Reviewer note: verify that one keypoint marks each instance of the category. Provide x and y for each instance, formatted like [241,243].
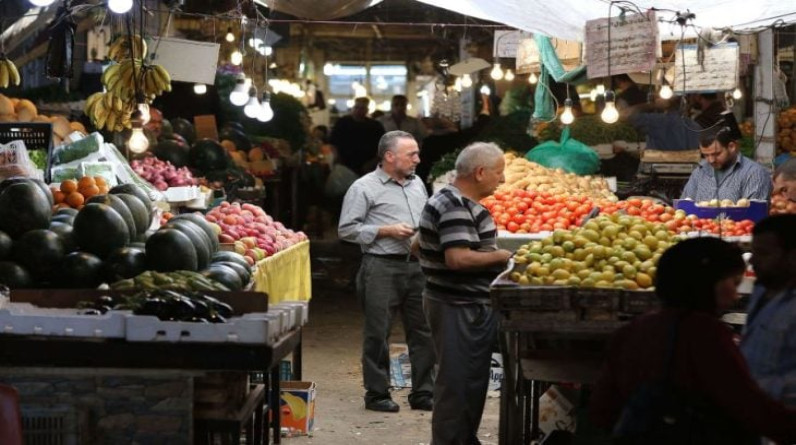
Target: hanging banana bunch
[124,48]
[9,75]
[108,111]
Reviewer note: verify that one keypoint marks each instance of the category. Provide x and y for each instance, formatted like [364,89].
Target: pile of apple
[250,229]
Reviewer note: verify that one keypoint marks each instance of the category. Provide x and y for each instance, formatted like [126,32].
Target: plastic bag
[14,161]
[568,154]
[339,180]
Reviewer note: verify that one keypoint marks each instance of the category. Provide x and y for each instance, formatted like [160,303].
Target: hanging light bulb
[467,81]
[252,108]
[143,108]
[236,58]
[736,93]
[532,79]
[509,75]
[666,91]
[138,142]
[199,88]
[496,72]
[610,113]
[458,85]
[485,90]
[42,2]
[230,37]
[120,6]
[240,94]
[567,117]
[266,112]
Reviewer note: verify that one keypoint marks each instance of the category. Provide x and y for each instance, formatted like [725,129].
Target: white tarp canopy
[566,19]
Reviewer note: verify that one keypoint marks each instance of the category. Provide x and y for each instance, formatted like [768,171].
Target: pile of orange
[74,193]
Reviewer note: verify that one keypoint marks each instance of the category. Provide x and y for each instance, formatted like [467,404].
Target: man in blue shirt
[666,128]
[769,338]
[725,173]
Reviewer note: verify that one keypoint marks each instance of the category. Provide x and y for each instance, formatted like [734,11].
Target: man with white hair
[381,212]
[460,258]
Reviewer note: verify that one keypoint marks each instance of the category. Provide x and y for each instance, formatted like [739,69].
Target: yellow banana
[3,75]
[90,102]
[13,73]
[163,76]
[100,115]
[110,122]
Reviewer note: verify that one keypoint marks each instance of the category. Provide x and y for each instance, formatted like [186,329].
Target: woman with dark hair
[683,358]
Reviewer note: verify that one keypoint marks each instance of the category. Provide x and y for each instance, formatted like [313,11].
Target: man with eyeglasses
[725,173]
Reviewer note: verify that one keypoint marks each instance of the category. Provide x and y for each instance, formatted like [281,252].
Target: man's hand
[505,254]
[400,231]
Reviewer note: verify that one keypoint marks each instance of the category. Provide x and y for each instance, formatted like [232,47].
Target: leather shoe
[383,405]
[423,404]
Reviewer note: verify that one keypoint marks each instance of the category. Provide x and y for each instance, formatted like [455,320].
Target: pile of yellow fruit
[616,251]
[23,110]
[786,138]
[526,175]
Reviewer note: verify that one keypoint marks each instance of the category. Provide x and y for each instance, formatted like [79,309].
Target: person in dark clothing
[630,94]
[711,109]
[697,280]
[356,137]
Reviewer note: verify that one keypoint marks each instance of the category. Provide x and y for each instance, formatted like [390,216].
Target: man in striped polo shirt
[460,258]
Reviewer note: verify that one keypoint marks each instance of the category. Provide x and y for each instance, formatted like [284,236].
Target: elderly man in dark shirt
[356,137]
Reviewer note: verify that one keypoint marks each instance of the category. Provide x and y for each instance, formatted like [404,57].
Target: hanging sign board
[715,69]
[505,43]
[529,60]
[634,44]
[187,60]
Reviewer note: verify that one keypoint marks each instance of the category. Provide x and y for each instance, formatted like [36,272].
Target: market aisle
[332,342]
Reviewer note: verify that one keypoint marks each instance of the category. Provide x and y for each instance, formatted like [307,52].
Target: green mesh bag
[567,154]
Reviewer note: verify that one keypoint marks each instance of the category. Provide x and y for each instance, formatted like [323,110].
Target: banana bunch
[121,79]
[156,80]
[9,75]
[109,111]
[124,48]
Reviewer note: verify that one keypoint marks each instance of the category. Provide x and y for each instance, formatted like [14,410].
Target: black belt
[406,258]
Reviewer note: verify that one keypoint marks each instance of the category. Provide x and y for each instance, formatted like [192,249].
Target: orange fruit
[103,189]
[69,186]
[58,196]
[89,191]
[85,182]
[75,199]
[228,145]
[100,181]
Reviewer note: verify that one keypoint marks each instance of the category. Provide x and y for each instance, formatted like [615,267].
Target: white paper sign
[187,60]
[529,60]
[634,45]
[505,43]
[716,71]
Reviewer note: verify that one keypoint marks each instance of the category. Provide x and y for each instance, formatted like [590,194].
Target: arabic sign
[633,46]
[529,60]
[709,69]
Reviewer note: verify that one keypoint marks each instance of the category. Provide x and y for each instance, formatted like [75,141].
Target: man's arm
[352,227]
[759,185]
[690,189]
[464,258]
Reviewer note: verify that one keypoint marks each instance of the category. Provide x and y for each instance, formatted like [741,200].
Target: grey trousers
[463,336]
[386,288]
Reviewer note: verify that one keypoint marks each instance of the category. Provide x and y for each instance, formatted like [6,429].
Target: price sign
[707,69]
[634,44]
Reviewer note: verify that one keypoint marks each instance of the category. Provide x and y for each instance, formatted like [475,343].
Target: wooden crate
[217,394]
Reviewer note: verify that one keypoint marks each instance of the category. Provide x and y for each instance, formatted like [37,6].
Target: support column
[765,110]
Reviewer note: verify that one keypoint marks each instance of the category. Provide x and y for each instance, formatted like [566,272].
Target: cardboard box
[496,372]
[400,367]
[297,407]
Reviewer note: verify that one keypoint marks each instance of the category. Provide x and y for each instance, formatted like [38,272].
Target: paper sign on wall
[505,43]
[715,70]
[188,60]
[529,60]
[634,44]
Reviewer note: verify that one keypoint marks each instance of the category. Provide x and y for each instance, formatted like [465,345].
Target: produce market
[181,181]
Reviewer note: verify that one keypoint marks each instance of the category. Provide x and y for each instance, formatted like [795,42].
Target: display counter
[285,276]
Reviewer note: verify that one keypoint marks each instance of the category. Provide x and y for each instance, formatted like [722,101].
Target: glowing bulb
[467,81]
[199,88]
[252,108]
[236,58]
[609,114]
[266,112]
[144,109]
[41,2]
[532,79]
[666,92]
[458,84]
[328,69]
[485,90]
[138,142]
[736,93]
[240,94]
[567,117]
[509,75]
[120,6]
[229,37]
[593,94]
[496,72]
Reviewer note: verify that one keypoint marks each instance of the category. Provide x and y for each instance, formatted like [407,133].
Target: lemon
[524,280]
[643,280]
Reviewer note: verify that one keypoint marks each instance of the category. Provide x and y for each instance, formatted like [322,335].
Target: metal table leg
[274,405]
[297,361]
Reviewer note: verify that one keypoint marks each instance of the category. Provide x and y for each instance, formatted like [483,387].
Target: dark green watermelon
[14,276]
[169,250]
[237,136]
[140,213]
[132,189]
[66,233]
[208,155]
[244,272]
[184,128]
[229,257]
[5,246]
[23,206]
[81,270]
[40,252]
[99,229]
[127,262]
[39,183]
[198,238]
[121,208]
[200,221]
[224,275]
[169,150]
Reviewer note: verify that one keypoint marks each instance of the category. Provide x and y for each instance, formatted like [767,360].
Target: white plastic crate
[301,308]
[288,315]
[253,328]
[26,319]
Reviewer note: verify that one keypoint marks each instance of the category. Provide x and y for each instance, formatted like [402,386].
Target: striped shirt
[744,179]
[451,220]
[769,344]
[376,200]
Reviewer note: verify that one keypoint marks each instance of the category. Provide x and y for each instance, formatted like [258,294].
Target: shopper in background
[397,119]
[356,138]
[785,180]
[381,212]
[460,258]
[769,338]
[666,128]
[677,371]
[630,94]
[725,173]
[710,109]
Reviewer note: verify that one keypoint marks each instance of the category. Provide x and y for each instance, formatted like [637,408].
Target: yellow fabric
[285,276]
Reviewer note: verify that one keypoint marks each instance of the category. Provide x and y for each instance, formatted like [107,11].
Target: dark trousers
[463,336]
[387,287]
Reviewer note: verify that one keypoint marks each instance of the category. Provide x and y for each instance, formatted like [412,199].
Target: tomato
[518,218]
[633,211]
[634,202]
[512,226]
